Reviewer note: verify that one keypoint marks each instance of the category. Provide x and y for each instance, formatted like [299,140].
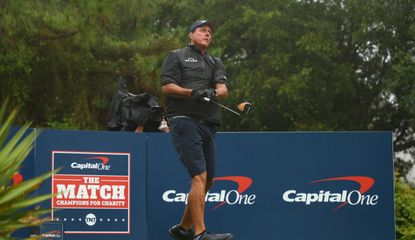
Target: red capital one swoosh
[243,184]
[103,159]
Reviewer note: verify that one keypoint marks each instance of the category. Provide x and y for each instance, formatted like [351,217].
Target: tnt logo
[90,219]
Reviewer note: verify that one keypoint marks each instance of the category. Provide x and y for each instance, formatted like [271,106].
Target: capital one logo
[344,197]
[235,196]
[51,234]
[101,165]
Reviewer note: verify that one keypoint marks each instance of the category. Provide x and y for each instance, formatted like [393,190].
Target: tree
[54,52]
[305,65]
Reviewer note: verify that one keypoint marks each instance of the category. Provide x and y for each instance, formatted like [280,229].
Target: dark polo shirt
[187,68]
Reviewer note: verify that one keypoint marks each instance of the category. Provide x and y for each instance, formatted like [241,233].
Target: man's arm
[221,91]
[174,90]
[170,74]
[220,80]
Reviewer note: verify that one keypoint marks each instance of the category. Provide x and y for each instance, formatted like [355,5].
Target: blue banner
[293,185]
[283,186]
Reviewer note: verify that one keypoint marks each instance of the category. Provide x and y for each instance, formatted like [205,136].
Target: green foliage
[16,201]
[405,210]
[305,65]
[55,52]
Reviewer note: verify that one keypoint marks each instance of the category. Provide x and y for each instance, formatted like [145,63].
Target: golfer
[189,75]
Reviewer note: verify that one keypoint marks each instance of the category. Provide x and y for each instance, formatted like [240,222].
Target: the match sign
[92,192]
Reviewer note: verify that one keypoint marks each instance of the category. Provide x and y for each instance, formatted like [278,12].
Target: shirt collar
[196,49]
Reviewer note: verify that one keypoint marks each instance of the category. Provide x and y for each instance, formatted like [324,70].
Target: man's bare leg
[186,221]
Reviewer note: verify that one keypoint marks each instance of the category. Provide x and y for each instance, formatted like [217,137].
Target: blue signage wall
[323,186]
[283,186]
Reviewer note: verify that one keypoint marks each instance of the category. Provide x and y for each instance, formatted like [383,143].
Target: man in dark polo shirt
[189,76]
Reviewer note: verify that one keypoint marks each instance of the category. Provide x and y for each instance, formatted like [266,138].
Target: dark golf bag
[128,110]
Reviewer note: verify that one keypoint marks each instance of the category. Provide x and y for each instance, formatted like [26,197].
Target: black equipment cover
[128,110]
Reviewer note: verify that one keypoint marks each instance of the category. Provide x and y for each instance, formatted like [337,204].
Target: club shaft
[223,106]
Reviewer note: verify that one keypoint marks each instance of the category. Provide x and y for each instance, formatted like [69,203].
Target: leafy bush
[16,200]
[404,210]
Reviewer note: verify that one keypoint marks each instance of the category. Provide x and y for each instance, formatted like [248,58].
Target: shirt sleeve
[220,73]
[170,72]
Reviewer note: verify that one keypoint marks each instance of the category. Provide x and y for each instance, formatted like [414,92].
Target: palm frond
[17,202]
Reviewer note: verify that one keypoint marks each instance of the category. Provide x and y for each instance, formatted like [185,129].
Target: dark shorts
[195,143]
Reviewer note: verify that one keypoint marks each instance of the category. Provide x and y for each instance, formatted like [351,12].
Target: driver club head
[245,107]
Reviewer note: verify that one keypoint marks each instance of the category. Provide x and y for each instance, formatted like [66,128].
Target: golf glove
[210,93]
[199,94]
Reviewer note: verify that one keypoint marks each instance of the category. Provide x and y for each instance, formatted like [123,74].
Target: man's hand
[199,94]
[210,93]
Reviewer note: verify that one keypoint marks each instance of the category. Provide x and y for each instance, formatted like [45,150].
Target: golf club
[244,107]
